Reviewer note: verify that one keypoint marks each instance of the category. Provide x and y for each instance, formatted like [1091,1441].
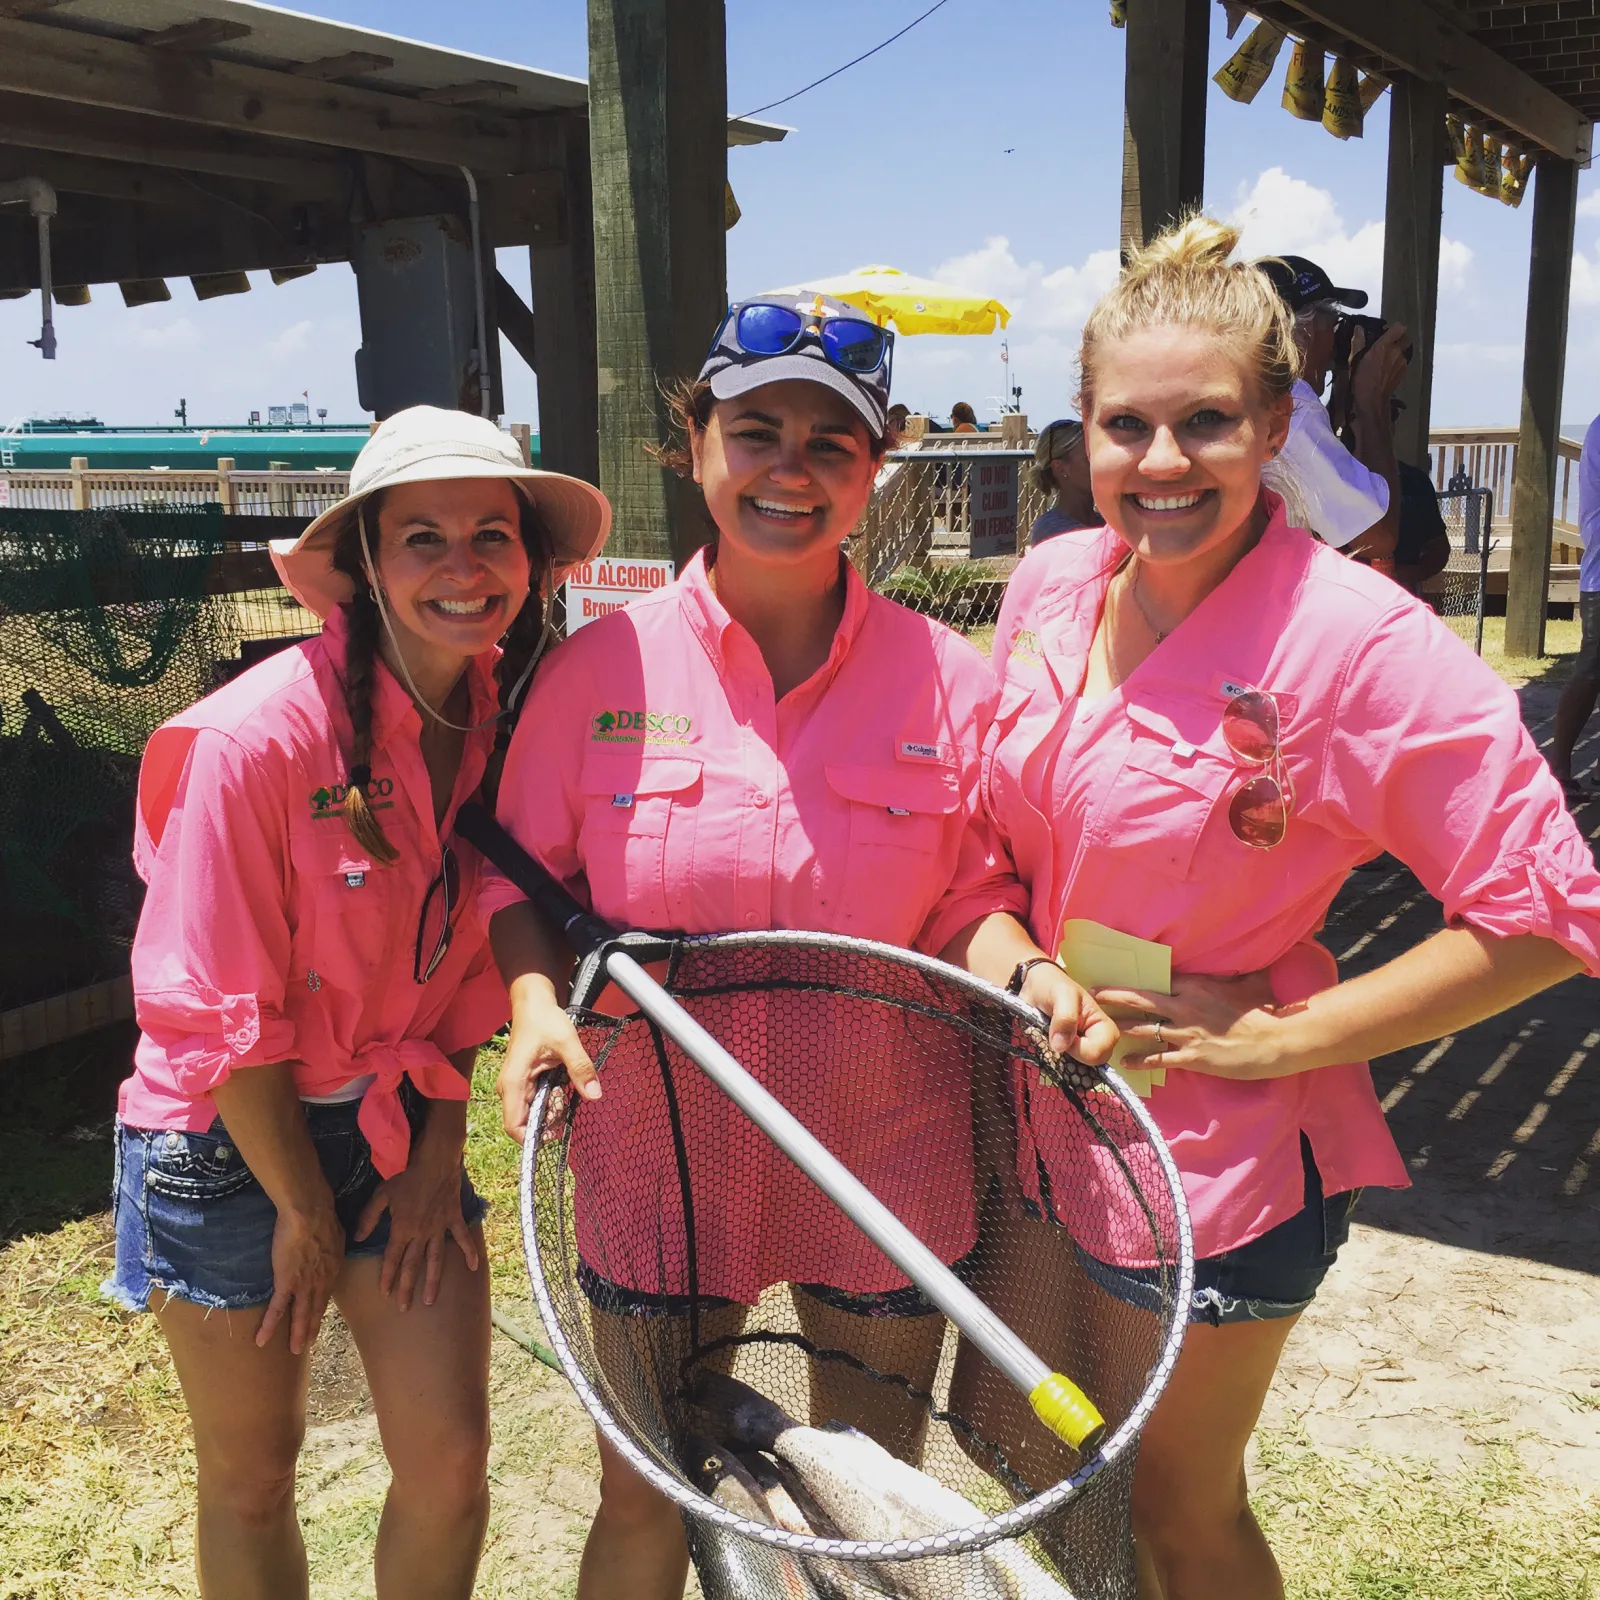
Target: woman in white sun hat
[311,981]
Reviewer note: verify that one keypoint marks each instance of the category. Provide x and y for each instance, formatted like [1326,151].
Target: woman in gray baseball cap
[804,753]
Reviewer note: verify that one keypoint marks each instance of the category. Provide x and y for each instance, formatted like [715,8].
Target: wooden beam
[111,180]
[1164,134]
[351,64]
[563,278]
[1544,351]
[155,141]
[658,127]
[515,320]
[201,34]
[483,91]
[1428,45]
[1418,149]
[82,68]
[27,8]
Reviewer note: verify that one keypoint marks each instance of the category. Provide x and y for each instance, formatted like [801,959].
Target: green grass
[1373,1527]
[1560,639]
[97,1471]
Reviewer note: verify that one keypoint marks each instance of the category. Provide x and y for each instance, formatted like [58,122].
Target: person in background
[1351,497]
[963,419]
[1423,546]
[1583,688]
[898,415]
[1061,470]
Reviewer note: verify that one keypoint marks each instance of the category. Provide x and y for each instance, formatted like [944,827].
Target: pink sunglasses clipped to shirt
[1260,808]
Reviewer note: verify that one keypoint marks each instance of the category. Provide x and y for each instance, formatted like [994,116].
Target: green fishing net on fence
[105,632]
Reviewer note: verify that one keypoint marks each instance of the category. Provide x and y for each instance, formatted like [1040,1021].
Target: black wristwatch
[1019,977]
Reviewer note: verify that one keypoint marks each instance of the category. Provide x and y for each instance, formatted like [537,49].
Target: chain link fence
[1460,591]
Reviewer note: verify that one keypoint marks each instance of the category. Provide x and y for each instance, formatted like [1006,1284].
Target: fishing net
[106,630]
[726,1325]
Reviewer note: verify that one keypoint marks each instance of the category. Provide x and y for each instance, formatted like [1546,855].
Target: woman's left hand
[1227,1027]
[1078,1027]
[424,1206]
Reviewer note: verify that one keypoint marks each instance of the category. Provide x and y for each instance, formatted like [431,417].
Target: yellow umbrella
[913,305]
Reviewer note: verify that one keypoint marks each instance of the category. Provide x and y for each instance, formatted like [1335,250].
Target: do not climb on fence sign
[993,491]
[599,587]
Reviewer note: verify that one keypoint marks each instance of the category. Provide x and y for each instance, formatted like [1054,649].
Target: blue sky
[985,146]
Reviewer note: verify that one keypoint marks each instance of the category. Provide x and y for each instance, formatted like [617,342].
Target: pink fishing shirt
[657,777]
[1397,737]
[268,933]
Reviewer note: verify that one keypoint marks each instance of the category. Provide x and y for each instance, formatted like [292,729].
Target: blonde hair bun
[1186,277]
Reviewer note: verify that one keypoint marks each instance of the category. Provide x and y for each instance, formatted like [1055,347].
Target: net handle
[1057,1401]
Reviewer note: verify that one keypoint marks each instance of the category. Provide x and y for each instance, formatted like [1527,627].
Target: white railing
[78,488]
[1489,458]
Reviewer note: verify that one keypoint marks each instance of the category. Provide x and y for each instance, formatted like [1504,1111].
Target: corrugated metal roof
[279,40]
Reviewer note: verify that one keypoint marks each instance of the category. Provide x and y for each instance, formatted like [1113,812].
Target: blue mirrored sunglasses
[849,343]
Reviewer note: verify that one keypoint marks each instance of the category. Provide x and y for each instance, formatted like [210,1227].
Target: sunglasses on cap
[852,344]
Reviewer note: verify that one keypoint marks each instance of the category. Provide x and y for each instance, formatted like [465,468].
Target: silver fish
[869,1494]
[794,1509]
[729,1562]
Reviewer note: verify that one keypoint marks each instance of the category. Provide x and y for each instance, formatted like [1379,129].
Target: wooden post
[522,432]
[80,484]
[1164,129]
[227,493]
[1418,150]
[1555,212]
[658,141]
[562,276]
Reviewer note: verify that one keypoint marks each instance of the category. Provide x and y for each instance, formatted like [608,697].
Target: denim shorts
[909,1301]
[192,1221]
[1275,1275]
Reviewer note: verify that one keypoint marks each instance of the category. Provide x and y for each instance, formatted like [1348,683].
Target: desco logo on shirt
[328,800]
[641,727]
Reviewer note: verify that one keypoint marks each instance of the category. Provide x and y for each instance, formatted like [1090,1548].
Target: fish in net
[739,1339]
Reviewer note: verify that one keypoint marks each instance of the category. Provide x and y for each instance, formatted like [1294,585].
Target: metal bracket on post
[40,199]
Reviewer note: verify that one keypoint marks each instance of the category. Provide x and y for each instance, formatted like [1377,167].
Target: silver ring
[1161,1044]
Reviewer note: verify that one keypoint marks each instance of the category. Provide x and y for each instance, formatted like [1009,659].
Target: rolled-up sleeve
[1429,759]
[211,955]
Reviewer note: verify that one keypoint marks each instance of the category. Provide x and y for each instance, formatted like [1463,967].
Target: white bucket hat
[426,444]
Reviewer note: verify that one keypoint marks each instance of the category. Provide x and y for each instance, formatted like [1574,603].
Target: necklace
[1133,591]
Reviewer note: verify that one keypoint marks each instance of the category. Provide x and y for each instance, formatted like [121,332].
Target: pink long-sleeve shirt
[656,775]
[1396,736]
[268,933]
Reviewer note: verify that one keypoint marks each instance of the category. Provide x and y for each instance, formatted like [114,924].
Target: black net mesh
[106,630]
[729,1327]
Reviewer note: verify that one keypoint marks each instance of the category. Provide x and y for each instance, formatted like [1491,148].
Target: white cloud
[1589,206]
[1280,214]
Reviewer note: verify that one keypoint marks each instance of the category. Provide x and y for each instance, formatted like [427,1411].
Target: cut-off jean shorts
[192,1221]
[1275,1275]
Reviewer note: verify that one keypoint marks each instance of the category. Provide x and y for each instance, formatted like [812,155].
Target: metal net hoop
[547,1227]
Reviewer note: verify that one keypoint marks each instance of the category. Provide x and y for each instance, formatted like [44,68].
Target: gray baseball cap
[809,337]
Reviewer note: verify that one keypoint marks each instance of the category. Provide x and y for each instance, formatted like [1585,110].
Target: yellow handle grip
[1068,1413]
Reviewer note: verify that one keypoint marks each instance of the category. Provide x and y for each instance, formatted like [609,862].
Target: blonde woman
[1206,719]
[311,982]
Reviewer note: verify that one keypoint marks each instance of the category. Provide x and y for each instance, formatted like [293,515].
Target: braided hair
[519,648]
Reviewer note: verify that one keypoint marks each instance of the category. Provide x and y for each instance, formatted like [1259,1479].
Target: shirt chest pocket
[636,838]
[346,909]
[1165,796]
[896,867]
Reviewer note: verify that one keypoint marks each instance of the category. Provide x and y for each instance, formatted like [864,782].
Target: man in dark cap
[1351,497]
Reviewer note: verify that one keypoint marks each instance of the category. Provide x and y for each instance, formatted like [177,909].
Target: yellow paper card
[1098,957]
